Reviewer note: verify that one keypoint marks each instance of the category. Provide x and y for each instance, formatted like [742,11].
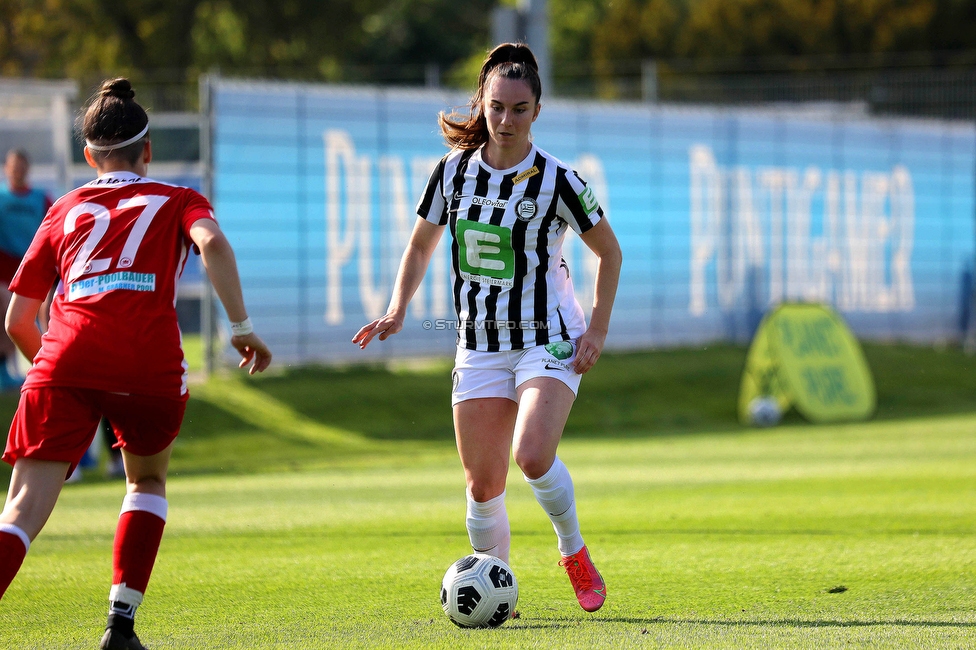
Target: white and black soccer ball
[764,411]
[479,591]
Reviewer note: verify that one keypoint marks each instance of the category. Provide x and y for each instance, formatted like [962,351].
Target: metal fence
[917,93]
[731,192]
[884,85]
[722,213]
[903,87]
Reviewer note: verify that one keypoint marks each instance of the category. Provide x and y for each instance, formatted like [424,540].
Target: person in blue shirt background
[22,208]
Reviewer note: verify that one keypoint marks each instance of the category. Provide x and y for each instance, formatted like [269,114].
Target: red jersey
[119,245]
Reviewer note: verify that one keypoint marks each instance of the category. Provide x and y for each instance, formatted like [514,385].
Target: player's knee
[485,490]
[533,462]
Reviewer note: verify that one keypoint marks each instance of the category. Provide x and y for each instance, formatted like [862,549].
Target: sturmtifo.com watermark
[447,324]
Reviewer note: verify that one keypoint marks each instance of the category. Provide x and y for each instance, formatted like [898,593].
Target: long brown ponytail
[508,60]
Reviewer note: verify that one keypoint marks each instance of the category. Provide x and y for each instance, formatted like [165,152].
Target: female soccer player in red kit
[113,347]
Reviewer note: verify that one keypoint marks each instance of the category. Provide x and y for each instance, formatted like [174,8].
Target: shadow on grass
[626,395]
[373,401]
[558,623]
[789,622]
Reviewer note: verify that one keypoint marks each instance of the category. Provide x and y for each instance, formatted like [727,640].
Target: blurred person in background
[523,341]
[22,208]
[119,243]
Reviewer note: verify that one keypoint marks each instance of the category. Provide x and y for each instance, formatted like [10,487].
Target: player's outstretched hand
[253,350]
[588,350]
[384,327]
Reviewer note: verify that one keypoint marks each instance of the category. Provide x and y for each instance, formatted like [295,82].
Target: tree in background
[756,28]
[791,35]
[342,40]
[595,43]
[632,31]
[59,38]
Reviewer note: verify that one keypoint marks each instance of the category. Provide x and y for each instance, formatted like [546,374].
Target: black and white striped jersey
[512,288]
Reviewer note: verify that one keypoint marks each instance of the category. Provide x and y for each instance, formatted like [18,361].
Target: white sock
[124,601]
[18,532]
[488,527]
[151,503]
[554,492]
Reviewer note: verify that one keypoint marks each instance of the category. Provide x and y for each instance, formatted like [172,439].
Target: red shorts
[58,423]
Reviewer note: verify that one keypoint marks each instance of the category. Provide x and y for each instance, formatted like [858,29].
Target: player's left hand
[253,350]
[382,328]
[588,349]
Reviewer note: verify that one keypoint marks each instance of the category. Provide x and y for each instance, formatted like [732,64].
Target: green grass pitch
[297,522]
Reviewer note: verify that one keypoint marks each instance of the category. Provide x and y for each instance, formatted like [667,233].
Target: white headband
[118,145]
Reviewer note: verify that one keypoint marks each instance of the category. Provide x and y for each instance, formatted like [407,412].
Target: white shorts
[497,374]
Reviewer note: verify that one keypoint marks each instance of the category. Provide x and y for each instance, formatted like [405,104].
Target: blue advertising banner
[722,214]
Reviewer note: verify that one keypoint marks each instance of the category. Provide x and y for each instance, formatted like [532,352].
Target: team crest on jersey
[526,208]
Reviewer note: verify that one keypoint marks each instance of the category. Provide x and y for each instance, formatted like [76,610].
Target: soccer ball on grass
[479,591]
[764,411]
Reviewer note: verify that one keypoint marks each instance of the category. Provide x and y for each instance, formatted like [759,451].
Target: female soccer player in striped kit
[113,347]
[523,342]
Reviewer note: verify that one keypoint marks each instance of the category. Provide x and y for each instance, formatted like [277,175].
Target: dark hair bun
[517,53]
[514,53]
[120,88]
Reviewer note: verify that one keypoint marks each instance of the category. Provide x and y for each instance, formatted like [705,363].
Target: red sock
[137,540]
[12,553]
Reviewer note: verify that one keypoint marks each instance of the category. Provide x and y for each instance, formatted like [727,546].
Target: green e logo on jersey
[485,253]
[588,200]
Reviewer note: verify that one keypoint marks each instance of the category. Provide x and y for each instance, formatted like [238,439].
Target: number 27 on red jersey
[105,276]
